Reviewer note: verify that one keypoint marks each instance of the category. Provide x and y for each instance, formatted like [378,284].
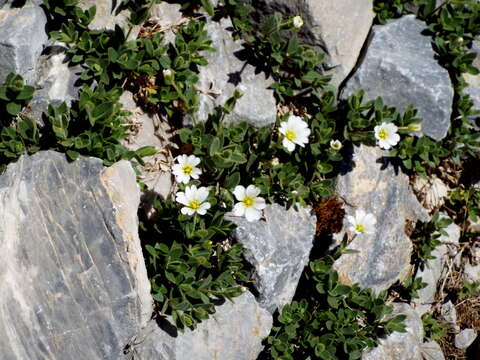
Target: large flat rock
[234,332]
[278,249]
[73,282]
[22,39]
[226,73]
[338,28]
[401,67]
[374,186]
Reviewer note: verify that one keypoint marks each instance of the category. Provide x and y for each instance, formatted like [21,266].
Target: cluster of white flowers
[194,199]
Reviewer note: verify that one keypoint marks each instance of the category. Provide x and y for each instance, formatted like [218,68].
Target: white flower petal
[290,146]
[239,192]
[239,209]
[180,198]
[187,211]
[259,203]
[252,191]
[252,214]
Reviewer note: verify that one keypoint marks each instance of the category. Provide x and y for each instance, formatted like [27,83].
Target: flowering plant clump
[362,222]
[297,22]
[295,132]
[250,204]
[386,135]
[186,168]
[194,200]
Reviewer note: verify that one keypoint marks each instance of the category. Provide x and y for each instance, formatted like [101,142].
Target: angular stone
[107,18]
[150,130]
[374,186]
[54,83]
[432,351]
[338,27]
[465,338]
[435,268]
[400,346]
[449,314]
[224,73]
[401,67]
[473,81]
[73,279]
[22,39]
[234,332]
[278,249]
[167,16]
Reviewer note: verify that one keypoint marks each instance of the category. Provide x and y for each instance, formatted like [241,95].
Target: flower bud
[415,127]
[297,22]
[335,145]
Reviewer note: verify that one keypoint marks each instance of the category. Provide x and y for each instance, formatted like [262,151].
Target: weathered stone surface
[54,83]
[465,338]
[107,17]
[435,268]
[401,67]
[167,16]
[374,186]
[224,73]
[472,266]
[338,27]
[432,351]
[278,249]
[473,81]
[149,130]
[449,314]
[400,346]
[22,39]
[73,281]
[234,332]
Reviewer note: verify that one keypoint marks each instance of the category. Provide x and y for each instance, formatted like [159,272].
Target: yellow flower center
[248,201]
[194,204]
[187,169]
[360,228]
[383,134]
[290,135]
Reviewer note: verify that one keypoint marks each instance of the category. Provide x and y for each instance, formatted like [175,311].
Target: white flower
[186,168]
[298,21]
[295,132]
[250,204]
[335,144]
[194,200]
[362,222]
[387,136]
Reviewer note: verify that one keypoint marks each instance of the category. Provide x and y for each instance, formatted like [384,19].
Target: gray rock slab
[73,279]
[400,66]
[22,39]
[278,249]
[473,81]
[431,350]
[338,28]
[149,130]
[374,186]
[435,268]
[234,332]
[167,16]
[54,84]
[465,338]
[107,17]
[224,73]
[400,346]
[449,314]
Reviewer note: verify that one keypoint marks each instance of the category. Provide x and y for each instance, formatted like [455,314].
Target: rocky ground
[73,279]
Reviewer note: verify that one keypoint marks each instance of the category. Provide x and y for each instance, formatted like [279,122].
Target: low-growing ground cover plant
[193,262]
